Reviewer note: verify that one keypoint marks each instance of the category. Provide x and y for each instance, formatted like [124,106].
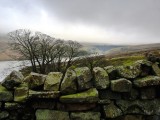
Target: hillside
[6,52]
[133,49]
[103,49]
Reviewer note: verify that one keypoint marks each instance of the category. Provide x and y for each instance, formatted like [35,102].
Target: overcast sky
[100,21]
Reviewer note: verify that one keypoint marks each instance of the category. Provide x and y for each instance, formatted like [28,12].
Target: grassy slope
[125,60]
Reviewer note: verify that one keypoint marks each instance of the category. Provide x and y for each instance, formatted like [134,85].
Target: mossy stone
[144,107]
[112,72]
[21,93]
[35,80]
[121,85]
[3,115]
[129,72]
[112,111]
[45,114]
[156,69]
[5,95]
[52,81]
[147,81]
[44,94]
[69,83]
[14,79]
[12,106]
[89,96]
[101,79]
[85,116]
[144,62]
[84,78]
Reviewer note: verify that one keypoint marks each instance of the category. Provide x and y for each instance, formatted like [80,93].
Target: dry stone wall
[111,93]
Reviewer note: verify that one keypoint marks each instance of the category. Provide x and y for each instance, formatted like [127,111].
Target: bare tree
[25,43]
[44,52]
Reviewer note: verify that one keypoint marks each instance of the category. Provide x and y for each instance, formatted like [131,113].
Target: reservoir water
[8,66]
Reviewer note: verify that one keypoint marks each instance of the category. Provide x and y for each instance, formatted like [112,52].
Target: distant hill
[106,49]
[133,49]
[99,48]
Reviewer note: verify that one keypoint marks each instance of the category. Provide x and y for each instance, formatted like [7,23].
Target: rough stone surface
[35,80]
[132,95]
[108,94]
[134,117]
[3,114]
[148,93]
[144,107]
[83,78]
[5,95]
[101,78]
[21,93]
[12,106]
[76,106]
[43,104]
[44,114]
[85,116]
[146,67]
[112,111]
[153,117]
[121,85]
[14,79]
[44,94]
[104,101]
[156,69]
[52,81]
[112,72]
[89,96]
[144,62]
[69,83]
[129,72]
[147,81]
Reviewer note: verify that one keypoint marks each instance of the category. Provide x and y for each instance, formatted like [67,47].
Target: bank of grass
[125,60]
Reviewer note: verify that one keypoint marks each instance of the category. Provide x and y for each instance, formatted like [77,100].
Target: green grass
[128,60]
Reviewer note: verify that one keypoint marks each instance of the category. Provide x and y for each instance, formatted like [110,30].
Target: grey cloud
[121,14]
[138,17]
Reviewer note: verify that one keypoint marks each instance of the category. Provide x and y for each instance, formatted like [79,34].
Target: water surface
[8,66]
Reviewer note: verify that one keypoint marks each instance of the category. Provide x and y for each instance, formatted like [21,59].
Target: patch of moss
[90,92]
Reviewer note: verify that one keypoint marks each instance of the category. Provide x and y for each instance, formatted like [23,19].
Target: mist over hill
[6,52]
